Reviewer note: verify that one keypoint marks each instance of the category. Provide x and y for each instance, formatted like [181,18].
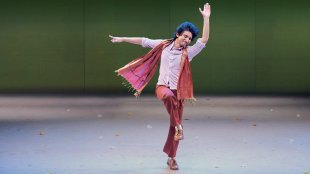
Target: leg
[171,146]
[171,103]
[175,110]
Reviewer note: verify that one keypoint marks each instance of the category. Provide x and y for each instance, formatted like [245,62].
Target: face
[184,39]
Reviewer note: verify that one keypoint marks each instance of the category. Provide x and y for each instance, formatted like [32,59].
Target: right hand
[116,39]
[206,10]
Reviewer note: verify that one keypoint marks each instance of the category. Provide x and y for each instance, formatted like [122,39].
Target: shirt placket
[170,67]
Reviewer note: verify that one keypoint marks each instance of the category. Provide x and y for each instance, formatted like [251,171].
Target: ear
[177,34]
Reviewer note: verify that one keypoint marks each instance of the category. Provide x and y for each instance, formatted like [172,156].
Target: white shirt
[170,60]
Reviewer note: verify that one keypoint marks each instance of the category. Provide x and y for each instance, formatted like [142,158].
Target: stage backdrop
[255,46]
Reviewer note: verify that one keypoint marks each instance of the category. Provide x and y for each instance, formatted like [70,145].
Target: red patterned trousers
[175,110]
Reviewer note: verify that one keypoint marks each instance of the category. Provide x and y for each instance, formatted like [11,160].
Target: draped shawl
[139,72]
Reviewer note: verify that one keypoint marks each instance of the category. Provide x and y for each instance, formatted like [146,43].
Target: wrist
[206,17]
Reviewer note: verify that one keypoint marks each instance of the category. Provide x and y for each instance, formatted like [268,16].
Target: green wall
[63,46]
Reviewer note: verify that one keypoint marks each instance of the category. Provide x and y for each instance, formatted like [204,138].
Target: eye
[185,36]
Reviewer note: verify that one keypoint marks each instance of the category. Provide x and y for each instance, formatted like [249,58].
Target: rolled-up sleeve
[195,49]
[150,43]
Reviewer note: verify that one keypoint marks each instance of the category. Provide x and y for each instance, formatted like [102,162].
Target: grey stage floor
[123,135]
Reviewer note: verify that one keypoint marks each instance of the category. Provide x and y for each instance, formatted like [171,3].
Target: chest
[171,58]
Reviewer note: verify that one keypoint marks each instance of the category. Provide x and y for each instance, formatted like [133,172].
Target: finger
[200,10]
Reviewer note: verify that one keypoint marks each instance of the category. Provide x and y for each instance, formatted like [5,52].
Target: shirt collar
[171,47]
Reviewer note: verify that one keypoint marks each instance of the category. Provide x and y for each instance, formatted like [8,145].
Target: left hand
[115,39]
[206,12]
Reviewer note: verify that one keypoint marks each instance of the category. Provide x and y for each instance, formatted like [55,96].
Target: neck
[176,45]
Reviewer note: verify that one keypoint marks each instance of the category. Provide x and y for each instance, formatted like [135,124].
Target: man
[175,82]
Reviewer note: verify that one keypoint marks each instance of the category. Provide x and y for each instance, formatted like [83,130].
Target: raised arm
[132,40]
[206,24]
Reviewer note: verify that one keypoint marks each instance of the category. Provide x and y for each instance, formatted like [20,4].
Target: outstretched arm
[132,40]
[206,25]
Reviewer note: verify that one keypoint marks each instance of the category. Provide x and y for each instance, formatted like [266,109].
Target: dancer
[175,80]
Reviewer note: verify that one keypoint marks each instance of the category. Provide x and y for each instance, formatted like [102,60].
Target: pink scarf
[139,72]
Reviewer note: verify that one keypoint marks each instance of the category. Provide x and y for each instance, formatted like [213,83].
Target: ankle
[179,127]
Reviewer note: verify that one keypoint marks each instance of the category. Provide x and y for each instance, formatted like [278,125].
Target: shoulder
[147,42]
[198,43]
